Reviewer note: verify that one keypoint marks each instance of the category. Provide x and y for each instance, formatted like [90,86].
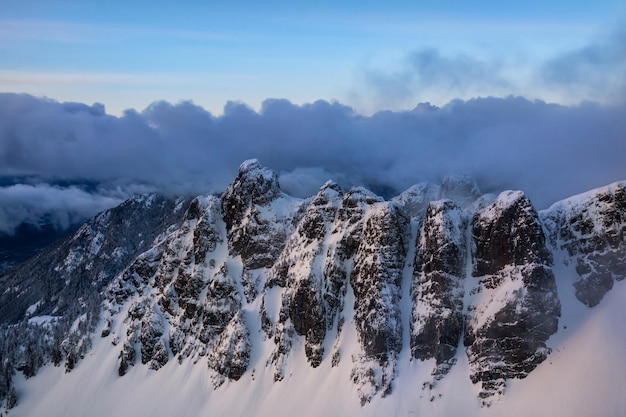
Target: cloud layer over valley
[69,160]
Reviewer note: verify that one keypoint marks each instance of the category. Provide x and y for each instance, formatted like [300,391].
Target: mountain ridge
[258,271]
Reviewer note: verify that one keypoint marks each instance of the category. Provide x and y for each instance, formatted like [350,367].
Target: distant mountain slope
[27,241]
[435,297]
[53,280]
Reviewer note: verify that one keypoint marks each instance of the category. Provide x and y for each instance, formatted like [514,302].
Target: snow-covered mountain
[440,301]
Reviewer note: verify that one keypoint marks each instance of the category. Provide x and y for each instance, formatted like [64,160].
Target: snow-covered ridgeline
[256,283]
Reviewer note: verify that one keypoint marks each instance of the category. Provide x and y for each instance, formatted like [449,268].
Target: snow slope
[585,375]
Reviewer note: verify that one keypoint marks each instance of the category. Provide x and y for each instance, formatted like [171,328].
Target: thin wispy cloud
[595,71]
[428,73]
[128,79]
[70,32]
[48,31]
[47,78]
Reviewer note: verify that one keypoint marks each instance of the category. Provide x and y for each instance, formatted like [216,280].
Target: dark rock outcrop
[254,232]
[437,287]
[515,307]
[508,232]
[344,241]
[591,231]
[376,280]
[231,355]
[178,286]
[304,300]
[221,304]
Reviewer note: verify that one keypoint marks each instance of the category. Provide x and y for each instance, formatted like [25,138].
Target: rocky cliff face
[439,270]
[376,280]
[180,300]
[590,230]
[258,216]
[438,287]
[515,305]
[305,306]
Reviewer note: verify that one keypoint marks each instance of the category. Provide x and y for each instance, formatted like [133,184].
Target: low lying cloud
[44,204]
[304,182]
[53,149]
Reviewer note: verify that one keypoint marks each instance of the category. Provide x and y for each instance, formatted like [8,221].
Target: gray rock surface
[591,230]
[515,307]
[437,288]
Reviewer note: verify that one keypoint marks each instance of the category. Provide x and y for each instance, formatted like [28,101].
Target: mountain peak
[254,183]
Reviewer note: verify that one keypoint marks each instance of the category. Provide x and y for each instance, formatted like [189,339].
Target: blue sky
[368,55]
[302,86]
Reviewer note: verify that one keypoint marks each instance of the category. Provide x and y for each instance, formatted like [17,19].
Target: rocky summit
[441,272]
